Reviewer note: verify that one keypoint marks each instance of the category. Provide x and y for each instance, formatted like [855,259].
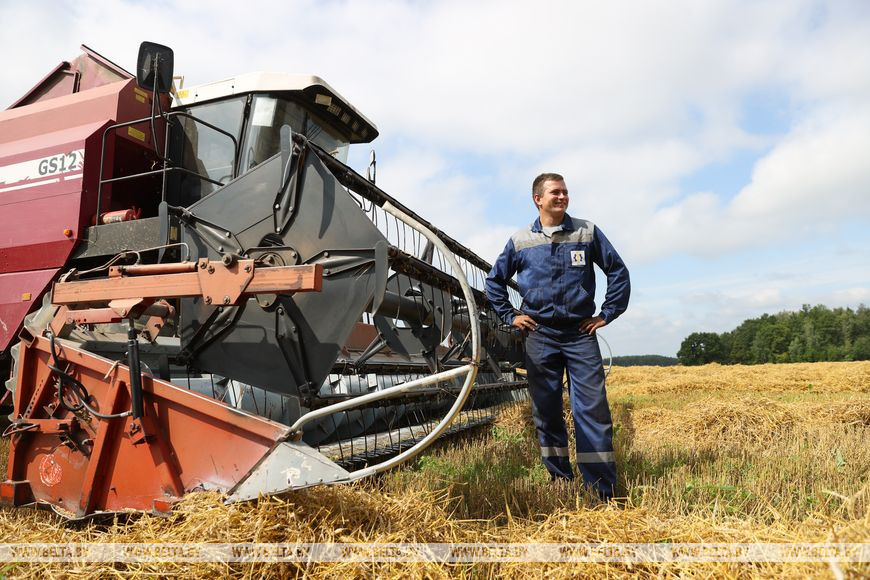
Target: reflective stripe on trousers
[548,355]
[555,452]
[595,457]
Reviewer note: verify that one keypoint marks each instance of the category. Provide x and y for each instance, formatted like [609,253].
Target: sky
[723,146]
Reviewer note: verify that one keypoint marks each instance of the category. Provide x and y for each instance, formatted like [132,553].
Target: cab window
[269,114]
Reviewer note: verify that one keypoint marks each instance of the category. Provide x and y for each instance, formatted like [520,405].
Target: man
[553,262]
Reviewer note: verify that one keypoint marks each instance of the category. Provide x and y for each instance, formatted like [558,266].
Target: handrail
[165,169]
[377,396]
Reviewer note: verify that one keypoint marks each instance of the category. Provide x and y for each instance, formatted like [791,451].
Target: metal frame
[469,370]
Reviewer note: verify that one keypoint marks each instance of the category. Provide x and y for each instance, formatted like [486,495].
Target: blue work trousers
[549,353]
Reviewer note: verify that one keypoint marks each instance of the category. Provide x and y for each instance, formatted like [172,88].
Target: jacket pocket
[535,298]
[575,295]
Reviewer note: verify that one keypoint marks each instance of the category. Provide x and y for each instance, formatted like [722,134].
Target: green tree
[653,360]
[700,348]
[813,333]
[796,349]
[741,344]
[861,348]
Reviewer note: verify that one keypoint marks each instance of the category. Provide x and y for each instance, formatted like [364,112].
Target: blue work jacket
[556,277]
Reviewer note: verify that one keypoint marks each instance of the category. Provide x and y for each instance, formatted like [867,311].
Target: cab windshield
[206,152]
[269,114]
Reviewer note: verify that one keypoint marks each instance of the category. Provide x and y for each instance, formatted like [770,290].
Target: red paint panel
[33,233]
[37,210]
[190,438]
[49,172]
[121,101]
[53,140]
[35,173]
[14,303]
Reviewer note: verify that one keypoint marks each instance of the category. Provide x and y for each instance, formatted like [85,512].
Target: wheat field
[770,453]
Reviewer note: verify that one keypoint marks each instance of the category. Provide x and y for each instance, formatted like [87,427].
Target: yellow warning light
[26,297]
[67,232]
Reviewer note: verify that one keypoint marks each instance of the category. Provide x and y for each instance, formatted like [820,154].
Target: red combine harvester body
[196,293]
[50,157]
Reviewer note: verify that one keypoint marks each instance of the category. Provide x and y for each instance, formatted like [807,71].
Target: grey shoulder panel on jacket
[584,230]
[526,238]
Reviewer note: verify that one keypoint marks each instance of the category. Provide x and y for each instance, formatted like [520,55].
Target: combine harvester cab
[232,307]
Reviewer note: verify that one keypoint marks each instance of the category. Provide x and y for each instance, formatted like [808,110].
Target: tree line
[645,360]
[814,333]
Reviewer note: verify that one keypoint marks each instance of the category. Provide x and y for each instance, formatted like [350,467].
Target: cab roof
[313,91]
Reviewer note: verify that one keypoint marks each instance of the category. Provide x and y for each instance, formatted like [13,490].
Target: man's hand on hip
[525,323]
[590,325]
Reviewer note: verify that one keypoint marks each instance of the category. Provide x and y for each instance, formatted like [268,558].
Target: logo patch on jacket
[578,258]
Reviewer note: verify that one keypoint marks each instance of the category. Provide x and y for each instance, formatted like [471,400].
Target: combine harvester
[227,305]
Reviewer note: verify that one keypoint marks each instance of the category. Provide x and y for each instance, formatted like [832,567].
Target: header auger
[229,306]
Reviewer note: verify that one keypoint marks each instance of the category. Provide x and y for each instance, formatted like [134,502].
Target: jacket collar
[567,224]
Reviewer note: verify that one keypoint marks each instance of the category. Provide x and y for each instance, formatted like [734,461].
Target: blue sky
[722,146]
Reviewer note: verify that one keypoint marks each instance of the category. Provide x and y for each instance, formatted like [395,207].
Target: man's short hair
[538,183]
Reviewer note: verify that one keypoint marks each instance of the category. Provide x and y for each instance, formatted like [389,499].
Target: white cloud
[765,297]
[856,295]
[813,179]
[821,64]
[815,176]
[485,76]
[628,100]
[454,202]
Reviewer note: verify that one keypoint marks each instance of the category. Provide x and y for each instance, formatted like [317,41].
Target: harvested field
[798,378]
[774,453]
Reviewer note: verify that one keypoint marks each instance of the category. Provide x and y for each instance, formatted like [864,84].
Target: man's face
[554,198]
